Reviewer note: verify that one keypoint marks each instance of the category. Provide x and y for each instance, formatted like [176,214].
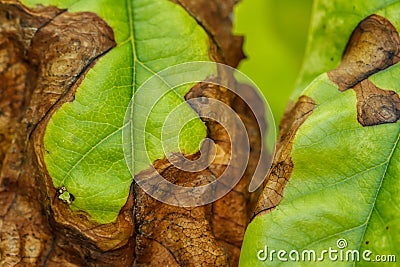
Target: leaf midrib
[135,61]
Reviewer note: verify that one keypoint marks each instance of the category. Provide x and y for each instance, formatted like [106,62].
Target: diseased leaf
[339,147]
[83,140]
[41,61]
[42,64]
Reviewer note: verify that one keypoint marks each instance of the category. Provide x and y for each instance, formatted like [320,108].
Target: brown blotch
[376,106]
[282,165]
[216,19]
[373,46]
[209,235]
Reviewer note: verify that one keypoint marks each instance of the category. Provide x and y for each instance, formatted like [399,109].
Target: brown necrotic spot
[215,18]
[376,106]
[282,166]
[373,46]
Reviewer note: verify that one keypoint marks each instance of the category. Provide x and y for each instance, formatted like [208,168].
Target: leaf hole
[8,15]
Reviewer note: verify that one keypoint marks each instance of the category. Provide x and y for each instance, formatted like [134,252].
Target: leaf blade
[343,185]
[84,137]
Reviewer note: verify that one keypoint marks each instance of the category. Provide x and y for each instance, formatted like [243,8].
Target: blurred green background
[275,39]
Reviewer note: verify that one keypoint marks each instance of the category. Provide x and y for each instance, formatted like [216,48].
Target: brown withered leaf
[43,58]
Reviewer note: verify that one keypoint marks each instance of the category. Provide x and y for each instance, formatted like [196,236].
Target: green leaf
[83,139]
[344,188]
